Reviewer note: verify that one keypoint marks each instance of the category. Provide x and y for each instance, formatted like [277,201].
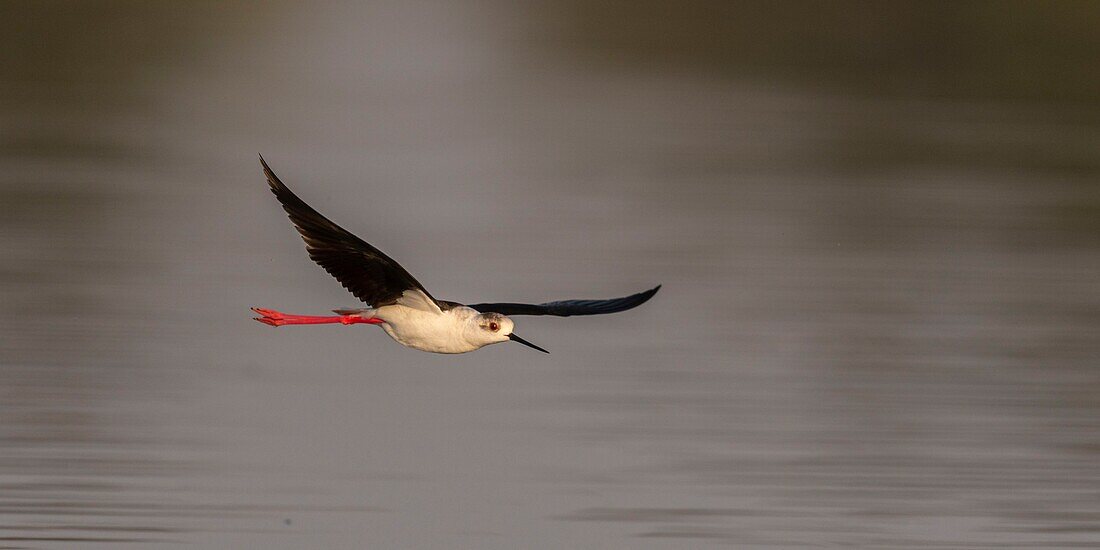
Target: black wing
[566,308]
[363,269]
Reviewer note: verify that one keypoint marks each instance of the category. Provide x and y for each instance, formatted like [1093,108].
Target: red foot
[278,319]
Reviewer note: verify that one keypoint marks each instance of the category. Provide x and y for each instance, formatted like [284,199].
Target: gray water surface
[878,326]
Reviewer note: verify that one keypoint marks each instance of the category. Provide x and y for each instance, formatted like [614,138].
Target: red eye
[494,327]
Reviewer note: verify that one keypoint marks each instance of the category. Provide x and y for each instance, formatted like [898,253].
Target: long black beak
[515,338]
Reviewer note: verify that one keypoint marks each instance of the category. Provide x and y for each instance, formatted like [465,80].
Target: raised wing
[370,275]
[567,308]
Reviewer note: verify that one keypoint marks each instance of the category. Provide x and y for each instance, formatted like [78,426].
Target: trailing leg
[278,318]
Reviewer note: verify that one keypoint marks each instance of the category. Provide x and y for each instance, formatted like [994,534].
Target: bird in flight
[399,303]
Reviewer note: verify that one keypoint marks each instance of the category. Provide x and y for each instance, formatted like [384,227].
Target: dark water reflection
[878,325]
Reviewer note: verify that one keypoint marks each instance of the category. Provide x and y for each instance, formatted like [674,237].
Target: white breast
[440,332]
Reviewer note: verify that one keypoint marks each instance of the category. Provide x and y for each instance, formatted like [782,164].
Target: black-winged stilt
[399,303]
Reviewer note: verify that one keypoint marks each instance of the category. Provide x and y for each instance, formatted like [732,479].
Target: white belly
[424,330]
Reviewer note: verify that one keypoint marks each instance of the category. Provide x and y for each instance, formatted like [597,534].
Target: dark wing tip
[267,169]
[307,220]
[277,185]
[651,292]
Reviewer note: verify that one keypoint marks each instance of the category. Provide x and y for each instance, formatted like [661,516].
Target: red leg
[278,319]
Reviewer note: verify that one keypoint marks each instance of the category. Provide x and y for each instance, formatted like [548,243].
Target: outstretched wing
[567,308]
[370,275]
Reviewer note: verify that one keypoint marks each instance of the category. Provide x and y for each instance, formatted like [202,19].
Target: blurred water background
[877,226]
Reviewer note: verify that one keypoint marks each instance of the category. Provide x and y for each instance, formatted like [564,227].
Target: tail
[278,318]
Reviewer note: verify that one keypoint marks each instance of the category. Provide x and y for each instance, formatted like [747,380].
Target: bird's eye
[494,327]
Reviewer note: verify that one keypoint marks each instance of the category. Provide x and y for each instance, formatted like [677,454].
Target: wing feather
[568,308]
[369,274]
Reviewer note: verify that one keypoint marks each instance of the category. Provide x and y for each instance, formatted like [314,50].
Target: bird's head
[491,328]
